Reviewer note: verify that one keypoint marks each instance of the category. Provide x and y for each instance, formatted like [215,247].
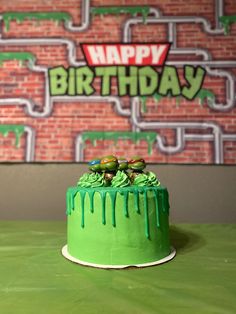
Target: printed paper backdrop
[36,126]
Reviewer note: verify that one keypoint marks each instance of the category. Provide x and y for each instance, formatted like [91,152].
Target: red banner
[126,54]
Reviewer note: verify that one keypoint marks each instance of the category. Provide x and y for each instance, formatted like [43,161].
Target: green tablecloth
[35,278]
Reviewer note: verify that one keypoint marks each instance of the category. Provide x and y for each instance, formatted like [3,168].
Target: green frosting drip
[103,199]
[70,195]
[147,234]
[149,137]
[82,196]
[157,209]
[112,195]
[136,202]
[166,201]
[227,21]
[18,130]
[159,193]
[91,180]
[21,56]
[144,10]
[91,196]
[120,180]
[205,94]
[126,213]
[21,16]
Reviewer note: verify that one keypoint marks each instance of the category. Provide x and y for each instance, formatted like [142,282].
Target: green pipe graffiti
[202,95]
[21,56]
[149,137]
[227,21]
[144,10]
[21,16]
[17,129]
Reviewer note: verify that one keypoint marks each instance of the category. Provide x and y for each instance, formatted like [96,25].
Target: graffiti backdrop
[60,104]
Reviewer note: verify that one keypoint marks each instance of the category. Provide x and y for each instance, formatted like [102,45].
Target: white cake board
[66,254]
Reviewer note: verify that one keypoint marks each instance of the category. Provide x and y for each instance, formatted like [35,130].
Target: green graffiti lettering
[194,77]
[106,74]
[58,81]
[128,82]
[148,81]
[71,82]
[169,83]
[131,81]
[84,79]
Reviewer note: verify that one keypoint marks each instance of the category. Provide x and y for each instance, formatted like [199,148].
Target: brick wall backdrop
[55,130]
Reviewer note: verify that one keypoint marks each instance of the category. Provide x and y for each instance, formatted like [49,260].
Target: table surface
[35,278]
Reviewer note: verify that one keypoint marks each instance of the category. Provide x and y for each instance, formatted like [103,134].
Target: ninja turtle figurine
[123,164]
[109,165]
[136,164]
[94,165]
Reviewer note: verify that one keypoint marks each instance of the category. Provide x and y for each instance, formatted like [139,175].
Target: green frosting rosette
[120,180]
[141,180]
[91,180]
[146,179]
[152,179]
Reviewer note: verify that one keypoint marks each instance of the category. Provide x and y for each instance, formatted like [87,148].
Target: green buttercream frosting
[148,179]
[152,179]
[120,179]
[141,180]
[91,180]
[83,181]
[137,193]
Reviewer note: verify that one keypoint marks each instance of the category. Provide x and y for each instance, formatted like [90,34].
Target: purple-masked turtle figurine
[122,164]
[109,164]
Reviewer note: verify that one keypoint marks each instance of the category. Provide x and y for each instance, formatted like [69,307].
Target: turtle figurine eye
[109,164]
[123,164]
[95,165]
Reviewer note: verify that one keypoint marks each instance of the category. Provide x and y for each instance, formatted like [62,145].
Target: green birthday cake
[118,216]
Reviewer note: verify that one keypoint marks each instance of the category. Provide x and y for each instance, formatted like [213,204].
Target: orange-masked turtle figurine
[109,164]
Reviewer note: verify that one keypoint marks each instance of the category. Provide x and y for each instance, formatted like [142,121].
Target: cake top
[117,172]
